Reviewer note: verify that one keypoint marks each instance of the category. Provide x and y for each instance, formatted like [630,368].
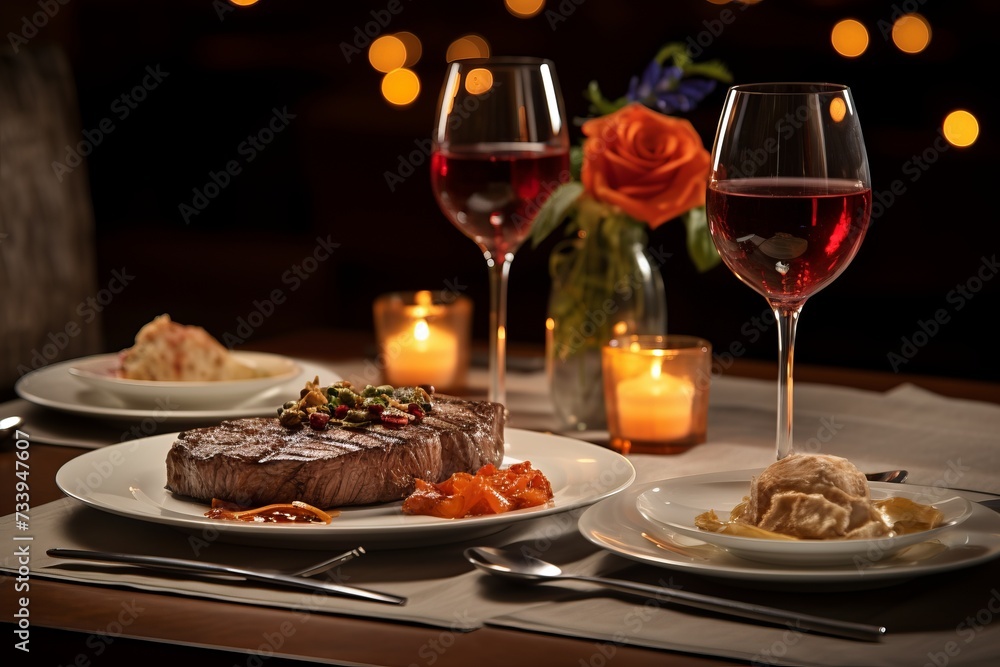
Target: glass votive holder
[656,392]
[423,338]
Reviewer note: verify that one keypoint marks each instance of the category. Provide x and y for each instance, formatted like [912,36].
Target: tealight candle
[656,392]
[655,407]
[423,338]
[426,354]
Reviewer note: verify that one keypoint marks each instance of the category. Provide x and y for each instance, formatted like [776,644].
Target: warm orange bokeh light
[400,87]
[478,81]
[413,47]
[849,38]
[243,3]
[838,109]
[524,9]
[387,53]
[911,33]
[960,128]
[470,46]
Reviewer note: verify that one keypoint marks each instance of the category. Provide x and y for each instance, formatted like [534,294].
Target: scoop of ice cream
[813,496]
[165,350]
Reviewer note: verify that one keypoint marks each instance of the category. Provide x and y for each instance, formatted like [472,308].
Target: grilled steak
[257,461]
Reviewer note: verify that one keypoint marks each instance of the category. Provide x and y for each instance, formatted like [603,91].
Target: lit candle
[423,354]
[656,407]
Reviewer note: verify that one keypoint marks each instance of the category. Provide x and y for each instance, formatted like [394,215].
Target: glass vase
[605,283]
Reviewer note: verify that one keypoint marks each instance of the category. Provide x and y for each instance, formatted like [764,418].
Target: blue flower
[667,90]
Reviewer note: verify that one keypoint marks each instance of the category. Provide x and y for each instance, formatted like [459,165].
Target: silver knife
[183,565]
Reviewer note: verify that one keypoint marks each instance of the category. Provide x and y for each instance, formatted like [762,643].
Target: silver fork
[328,564]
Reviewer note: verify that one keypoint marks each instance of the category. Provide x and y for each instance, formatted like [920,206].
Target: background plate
[53,387]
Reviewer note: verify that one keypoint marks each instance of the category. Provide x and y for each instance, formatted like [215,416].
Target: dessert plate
[133,476]
[101,372]
[616,525]
[674,503]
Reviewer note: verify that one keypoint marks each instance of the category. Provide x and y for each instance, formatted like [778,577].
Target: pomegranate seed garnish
[318,420]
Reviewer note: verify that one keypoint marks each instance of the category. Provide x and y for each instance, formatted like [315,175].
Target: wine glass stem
[499,270]
[787,319]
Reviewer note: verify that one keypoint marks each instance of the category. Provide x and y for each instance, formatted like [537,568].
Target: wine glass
[789,200]
[500,147]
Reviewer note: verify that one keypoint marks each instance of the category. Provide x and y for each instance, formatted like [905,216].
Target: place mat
[949,614]
[441,586]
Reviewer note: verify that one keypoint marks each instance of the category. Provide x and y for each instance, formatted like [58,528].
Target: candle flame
[655,369]
[420,330]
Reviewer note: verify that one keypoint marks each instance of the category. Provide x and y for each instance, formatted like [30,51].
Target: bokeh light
[849,38]
[243,3]
[524,9]
[960,128]
[387,53]
[400,86]
[838,109]
[414,49]
[469,46]
[911,33]
[478,81]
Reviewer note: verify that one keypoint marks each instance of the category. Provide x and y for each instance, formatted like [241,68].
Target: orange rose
[654,167]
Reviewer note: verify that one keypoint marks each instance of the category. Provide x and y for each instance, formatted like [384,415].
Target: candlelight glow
[478,81]
[838,109]
[960,128]
[524,9]
[470,46]
[420,330]
[400,86]
[243,3]
[387,53]
[849,38]
[911,33]
[414,49]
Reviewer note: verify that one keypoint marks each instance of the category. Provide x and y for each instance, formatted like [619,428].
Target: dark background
[324,175]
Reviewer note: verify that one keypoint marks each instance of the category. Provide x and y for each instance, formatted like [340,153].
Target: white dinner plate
[53,387]
[129,479]
[100,372]
[674,503]
[616,525]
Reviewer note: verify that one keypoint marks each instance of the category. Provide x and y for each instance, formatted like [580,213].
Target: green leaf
[700,246]
[600,104]
[554,211]
[712,69]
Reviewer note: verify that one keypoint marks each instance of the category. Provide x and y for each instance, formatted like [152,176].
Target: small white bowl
[674,504]
[101,372]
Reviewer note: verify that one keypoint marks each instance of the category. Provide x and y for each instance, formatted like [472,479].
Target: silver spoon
[897,476]
[522,567]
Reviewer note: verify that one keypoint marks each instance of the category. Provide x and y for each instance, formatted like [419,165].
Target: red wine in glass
[788,203]
[788,237]
[492,195]
[500,146]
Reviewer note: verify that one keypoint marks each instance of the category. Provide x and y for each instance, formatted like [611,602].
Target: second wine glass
[789,199]
[500,147]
